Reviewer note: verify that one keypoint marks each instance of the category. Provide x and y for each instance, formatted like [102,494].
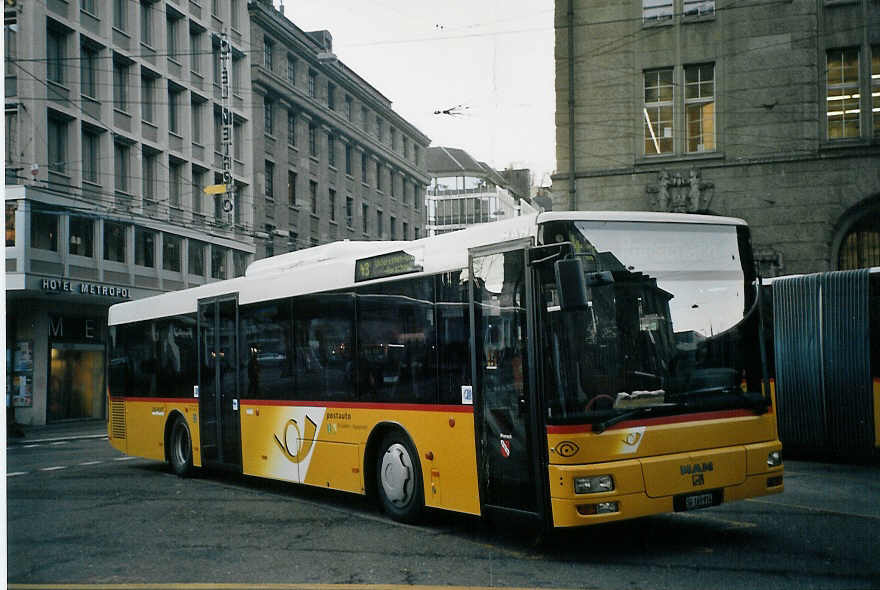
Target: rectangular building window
[380,128]
[56,42]
[268,116]
[175,182]
[148,180]
[91,155]
[171,28]
[120,14]
[82,236]
[88,71]
[364,117]
[379,225]
[198,112]
[270,180]
[171,252]
[234,13]
[146,23]
[267,53]
[121,166]
[393,227]
[313,140]
[291,188]
[198,185]
[378,176]
[365,212]
[657,111]
[331,150]
[405,230]
[364,167]
[313,196]
[844,109]
[114,241]
[239,263]
[291,70]
[331,96]
[348,159]
[331,199]
[699,104]
[174,111]
[148,98]
[348,107]
[291,128]
[144,247]
[44,231]
[57,144]
[698,7]
[656,10]
[120,86]
[313,82]
[875,88]
[195,50]
[88,6]
[196,258]
[218,262]
[349,211]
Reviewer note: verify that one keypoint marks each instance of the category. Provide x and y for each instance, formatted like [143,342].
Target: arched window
[860,247]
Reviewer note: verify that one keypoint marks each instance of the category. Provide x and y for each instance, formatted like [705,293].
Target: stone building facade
[109,144]
[768,111]
[332,160]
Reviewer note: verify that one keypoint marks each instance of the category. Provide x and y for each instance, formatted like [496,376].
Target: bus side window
[397,342]
[323,342]
[453,336]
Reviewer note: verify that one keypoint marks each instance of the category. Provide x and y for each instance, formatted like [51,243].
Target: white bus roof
[332,266]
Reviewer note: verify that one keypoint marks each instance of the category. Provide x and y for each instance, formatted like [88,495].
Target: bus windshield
[670,324]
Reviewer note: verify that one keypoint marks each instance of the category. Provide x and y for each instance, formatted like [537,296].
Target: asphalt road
[80,512]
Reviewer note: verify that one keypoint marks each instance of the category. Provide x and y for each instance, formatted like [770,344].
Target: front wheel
[180,448]
[399,479]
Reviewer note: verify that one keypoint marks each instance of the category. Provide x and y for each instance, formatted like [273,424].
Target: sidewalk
[58,431]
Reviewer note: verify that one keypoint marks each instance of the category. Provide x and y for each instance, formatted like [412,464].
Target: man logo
[567,449]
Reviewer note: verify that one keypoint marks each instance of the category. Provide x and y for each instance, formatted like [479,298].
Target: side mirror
[570,284]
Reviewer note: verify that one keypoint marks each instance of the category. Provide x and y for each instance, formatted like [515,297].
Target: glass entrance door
[505,411]
[76,382]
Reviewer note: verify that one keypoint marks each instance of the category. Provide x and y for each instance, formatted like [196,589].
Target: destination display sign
[385,265]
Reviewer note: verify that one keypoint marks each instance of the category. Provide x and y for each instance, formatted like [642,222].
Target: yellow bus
[569,368]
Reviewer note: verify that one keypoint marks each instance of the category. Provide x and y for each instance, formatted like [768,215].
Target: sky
[489,61]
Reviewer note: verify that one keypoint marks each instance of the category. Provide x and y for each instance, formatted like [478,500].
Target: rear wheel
[180,448]
[399,479]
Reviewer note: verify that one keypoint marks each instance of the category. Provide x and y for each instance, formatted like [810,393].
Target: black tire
[399,479]
[180,448]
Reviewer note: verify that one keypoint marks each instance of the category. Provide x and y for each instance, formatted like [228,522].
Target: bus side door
[220,428]
[505,409]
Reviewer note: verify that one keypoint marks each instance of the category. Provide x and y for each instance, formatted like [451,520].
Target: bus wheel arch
[178,444]
[393,473]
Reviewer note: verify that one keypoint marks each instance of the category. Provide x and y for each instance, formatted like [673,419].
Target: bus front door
[218,382]
[504,411]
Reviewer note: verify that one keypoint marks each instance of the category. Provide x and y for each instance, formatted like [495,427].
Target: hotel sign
[82,288]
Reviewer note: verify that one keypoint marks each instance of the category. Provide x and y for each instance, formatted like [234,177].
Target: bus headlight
[774,459]
[591,485]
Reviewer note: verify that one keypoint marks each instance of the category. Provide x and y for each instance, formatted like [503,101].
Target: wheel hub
[397,474]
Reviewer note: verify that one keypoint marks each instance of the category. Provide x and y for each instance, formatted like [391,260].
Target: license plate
[699,501]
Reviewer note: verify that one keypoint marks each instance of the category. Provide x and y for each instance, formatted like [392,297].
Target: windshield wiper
[602,425]
[691,399]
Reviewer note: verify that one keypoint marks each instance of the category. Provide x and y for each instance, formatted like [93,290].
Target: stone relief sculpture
[676,194]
